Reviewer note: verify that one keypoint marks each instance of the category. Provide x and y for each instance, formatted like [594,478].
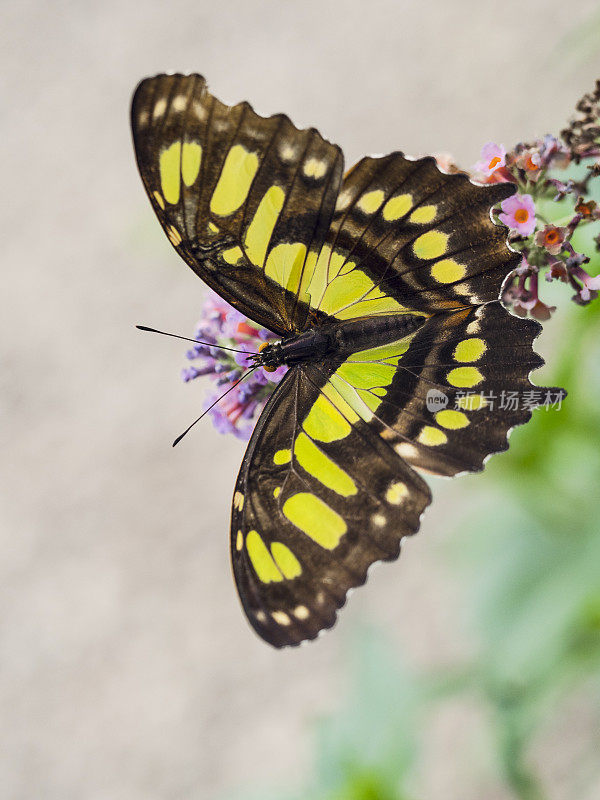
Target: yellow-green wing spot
[337,287]
[471,402]
[263,222]
[270,567]
[169,164]
[232,256]
[361,382]
[470,349]
[423,215]
[234,181]
[464,377]
[431,436]
[286,560]
[451,419]
[370,202]
[396,493]
[191,157]
[447,270]
[397,207]
[282,456]
[432,244]
[264,565]
[321,467]
[330,417]
[315,518]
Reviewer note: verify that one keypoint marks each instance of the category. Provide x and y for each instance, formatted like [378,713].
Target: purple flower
[586,286]
[521,292]
[243,358]
[276,375]
[519,213]
[235,411]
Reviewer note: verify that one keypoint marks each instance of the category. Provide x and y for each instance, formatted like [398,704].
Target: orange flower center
[494,162]
[530,165]
[521,215]
[552,236]
[583,209]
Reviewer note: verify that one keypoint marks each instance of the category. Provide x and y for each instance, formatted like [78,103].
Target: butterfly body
[383,285]
[338,339]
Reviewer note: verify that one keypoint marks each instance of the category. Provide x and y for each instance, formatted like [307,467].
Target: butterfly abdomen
[340,339]
[362,333]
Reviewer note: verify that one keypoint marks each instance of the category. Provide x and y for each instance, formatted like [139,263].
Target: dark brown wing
[449,396]
[407,237]
[244,199]
[319,498]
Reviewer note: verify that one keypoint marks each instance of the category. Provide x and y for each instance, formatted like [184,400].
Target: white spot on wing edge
[159,108]
[179,103]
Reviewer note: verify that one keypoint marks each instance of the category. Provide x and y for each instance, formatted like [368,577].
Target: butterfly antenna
[212,405]
[195,341]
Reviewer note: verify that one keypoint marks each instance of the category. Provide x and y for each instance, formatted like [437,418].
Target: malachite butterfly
[383,286]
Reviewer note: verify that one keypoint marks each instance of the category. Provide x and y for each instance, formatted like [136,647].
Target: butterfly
[382,284]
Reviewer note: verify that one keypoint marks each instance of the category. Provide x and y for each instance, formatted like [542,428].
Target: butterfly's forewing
[407,237]
[249,202]
[244,199]
[319,498]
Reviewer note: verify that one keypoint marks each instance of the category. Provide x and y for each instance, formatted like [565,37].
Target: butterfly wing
[320,496]
[448,396]
[406,237]
[242,198]
[254,206]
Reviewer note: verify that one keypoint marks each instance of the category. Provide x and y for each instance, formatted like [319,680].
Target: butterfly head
[269,356]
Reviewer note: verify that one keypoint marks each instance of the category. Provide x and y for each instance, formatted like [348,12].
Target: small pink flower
[519,213]
[591,285]
[531,161]
[493,156]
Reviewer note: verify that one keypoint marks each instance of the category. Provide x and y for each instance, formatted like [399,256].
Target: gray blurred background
[127,670]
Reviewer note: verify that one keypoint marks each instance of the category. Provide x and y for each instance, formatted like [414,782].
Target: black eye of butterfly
[383,286]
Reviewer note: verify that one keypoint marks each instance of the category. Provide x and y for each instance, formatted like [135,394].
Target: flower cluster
[545,243]
[221,326]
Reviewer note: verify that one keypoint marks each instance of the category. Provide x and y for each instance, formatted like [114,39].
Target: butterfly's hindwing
[460,384]
[319,498]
